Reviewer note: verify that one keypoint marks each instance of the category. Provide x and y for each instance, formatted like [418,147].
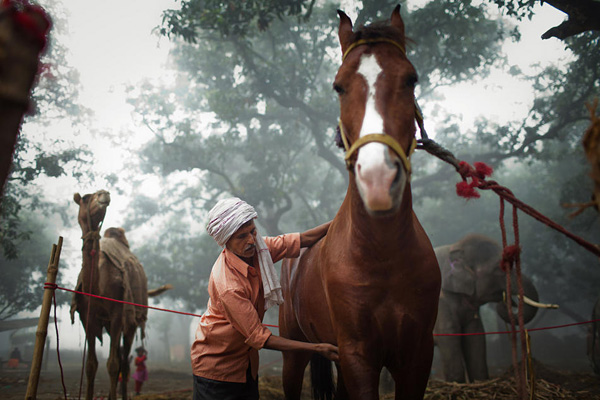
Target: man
[243,284]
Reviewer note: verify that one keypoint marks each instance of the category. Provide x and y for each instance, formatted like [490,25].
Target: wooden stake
[42,329]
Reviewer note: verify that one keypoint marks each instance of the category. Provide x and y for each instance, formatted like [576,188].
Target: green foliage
[228,18]
[182,259]
[455,41]
[54,97]
[252,114]
[25,246]
[517,8]
[21,287]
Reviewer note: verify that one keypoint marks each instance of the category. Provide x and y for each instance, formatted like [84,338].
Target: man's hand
[312,236]
[328,350]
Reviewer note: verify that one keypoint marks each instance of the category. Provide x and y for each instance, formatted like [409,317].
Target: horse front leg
[411,379]
[114,358]
[360,374]
[91,365]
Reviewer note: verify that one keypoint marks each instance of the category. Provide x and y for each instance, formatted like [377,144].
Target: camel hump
[117,251]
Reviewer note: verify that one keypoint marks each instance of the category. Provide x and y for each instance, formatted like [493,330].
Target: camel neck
[91,257]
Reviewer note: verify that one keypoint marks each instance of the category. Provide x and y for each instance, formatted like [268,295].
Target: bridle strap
[371,41]
[379,138]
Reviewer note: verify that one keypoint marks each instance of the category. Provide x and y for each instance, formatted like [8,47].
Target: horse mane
[377,30]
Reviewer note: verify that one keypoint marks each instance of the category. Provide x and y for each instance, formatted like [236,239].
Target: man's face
[243,242]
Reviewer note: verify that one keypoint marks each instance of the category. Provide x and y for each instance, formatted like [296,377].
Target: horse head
[375,84]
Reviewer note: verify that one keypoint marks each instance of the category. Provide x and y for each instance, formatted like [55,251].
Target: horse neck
[365,229]
[90,260]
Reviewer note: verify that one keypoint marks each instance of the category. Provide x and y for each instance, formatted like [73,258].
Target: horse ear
[344,30]
[396,21]
[77,198]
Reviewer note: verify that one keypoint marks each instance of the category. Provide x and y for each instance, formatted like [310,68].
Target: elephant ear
[457,276]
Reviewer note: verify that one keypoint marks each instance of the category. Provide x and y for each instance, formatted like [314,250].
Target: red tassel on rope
[509,256]
[477,175]
[466,190]
[482,169]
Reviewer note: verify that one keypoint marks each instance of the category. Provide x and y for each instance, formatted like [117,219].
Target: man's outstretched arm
[312,236]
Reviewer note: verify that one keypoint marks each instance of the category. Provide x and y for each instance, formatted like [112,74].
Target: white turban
[224,219]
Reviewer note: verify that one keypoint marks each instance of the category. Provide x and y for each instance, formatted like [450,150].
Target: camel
[23,32]
[109,269]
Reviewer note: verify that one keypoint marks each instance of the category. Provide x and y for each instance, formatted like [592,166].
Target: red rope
[62,377]
[477,176]
[120,301]
[508,332]
[87,318]
[48,285]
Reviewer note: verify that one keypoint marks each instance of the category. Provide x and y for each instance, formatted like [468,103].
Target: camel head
[92,209]
[116,233]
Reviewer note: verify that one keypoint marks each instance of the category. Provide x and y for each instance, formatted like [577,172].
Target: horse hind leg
[294,364]
[341,393]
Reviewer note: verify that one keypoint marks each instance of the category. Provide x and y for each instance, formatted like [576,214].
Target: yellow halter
[379,137]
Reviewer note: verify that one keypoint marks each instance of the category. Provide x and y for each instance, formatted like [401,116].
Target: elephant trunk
[529,307]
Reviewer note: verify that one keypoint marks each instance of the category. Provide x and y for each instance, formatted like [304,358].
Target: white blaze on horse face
[374,169]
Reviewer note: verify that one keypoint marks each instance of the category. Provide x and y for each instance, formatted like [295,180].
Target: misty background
[172,105]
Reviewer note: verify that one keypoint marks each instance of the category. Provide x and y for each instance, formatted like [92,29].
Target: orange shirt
[230,332]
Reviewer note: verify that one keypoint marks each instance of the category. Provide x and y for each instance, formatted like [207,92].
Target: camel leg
[112,364]
[127,342]
[91,365]
[294,364]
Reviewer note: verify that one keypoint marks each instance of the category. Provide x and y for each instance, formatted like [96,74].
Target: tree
[25,244]
[583,15]
[21,285]
[253,115]
[54,97]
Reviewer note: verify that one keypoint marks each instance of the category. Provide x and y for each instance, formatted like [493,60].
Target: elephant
[472,277]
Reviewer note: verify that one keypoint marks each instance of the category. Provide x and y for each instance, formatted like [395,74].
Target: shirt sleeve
[243,317]
[281,246]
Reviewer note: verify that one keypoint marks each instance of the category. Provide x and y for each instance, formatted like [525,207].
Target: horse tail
[321,377]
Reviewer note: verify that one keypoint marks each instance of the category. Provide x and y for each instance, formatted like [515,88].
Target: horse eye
[338,88]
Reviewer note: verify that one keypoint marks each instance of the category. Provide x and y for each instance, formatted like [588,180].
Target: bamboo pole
[42,329]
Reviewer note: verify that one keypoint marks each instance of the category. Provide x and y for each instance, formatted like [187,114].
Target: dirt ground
[170,384]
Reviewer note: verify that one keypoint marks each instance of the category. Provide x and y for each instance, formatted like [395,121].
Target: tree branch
[584,15]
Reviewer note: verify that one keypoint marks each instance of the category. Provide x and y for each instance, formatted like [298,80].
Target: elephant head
[471,267]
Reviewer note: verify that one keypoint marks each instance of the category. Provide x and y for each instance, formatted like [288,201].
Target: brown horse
[371,286]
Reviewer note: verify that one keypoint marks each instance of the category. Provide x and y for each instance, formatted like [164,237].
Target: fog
[142,95]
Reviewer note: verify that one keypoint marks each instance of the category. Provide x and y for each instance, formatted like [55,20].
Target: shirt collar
[240,265]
